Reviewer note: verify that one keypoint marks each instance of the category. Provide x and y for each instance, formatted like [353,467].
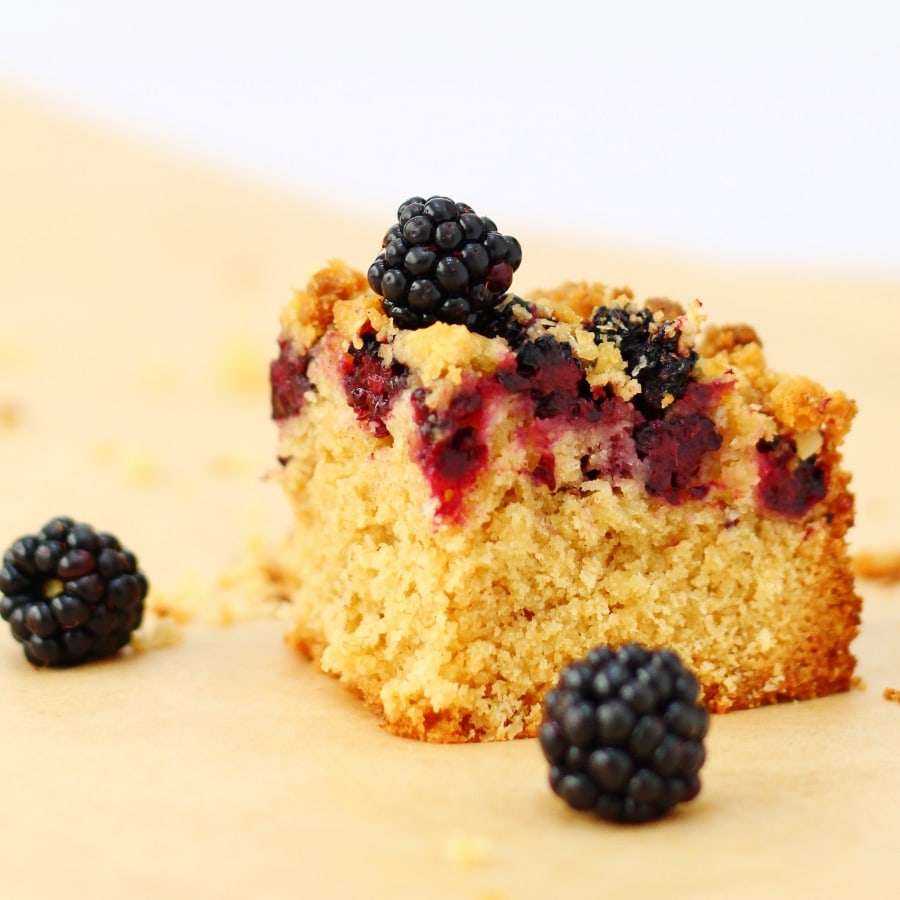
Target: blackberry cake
[485,486]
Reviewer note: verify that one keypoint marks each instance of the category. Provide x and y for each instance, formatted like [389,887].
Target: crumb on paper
[104,452]
[10,414]
[241,368]
[139,467]
[465,849]
[878,565]
[179,605]
[233,465]
[158,630]
[858,683]
[892,694]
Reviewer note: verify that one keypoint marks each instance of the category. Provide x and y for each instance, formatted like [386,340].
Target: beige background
[138,309]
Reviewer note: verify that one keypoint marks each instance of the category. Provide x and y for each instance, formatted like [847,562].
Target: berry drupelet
[442,262]
[71,594]
[623,733]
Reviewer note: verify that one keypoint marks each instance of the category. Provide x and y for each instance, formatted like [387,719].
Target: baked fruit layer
[476,506]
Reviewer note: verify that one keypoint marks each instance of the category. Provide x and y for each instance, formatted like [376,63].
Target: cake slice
[478,501]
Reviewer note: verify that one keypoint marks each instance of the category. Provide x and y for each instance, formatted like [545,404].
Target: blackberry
[623,733]
[651,353]
[70,593]
[442,262]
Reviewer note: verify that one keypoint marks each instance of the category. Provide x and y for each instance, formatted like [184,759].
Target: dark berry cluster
[651,353]
[673,449]
[553,377]
[442,262]
[70,594]
[787,484]
[623,733]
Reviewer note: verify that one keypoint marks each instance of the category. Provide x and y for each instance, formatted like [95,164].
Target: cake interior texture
[473,509]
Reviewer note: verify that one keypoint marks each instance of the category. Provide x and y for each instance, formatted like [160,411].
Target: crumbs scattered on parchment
[257,586]
[878,565]
[892,694]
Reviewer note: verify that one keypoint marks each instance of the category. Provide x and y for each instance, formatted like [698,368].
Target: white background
[756,132]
